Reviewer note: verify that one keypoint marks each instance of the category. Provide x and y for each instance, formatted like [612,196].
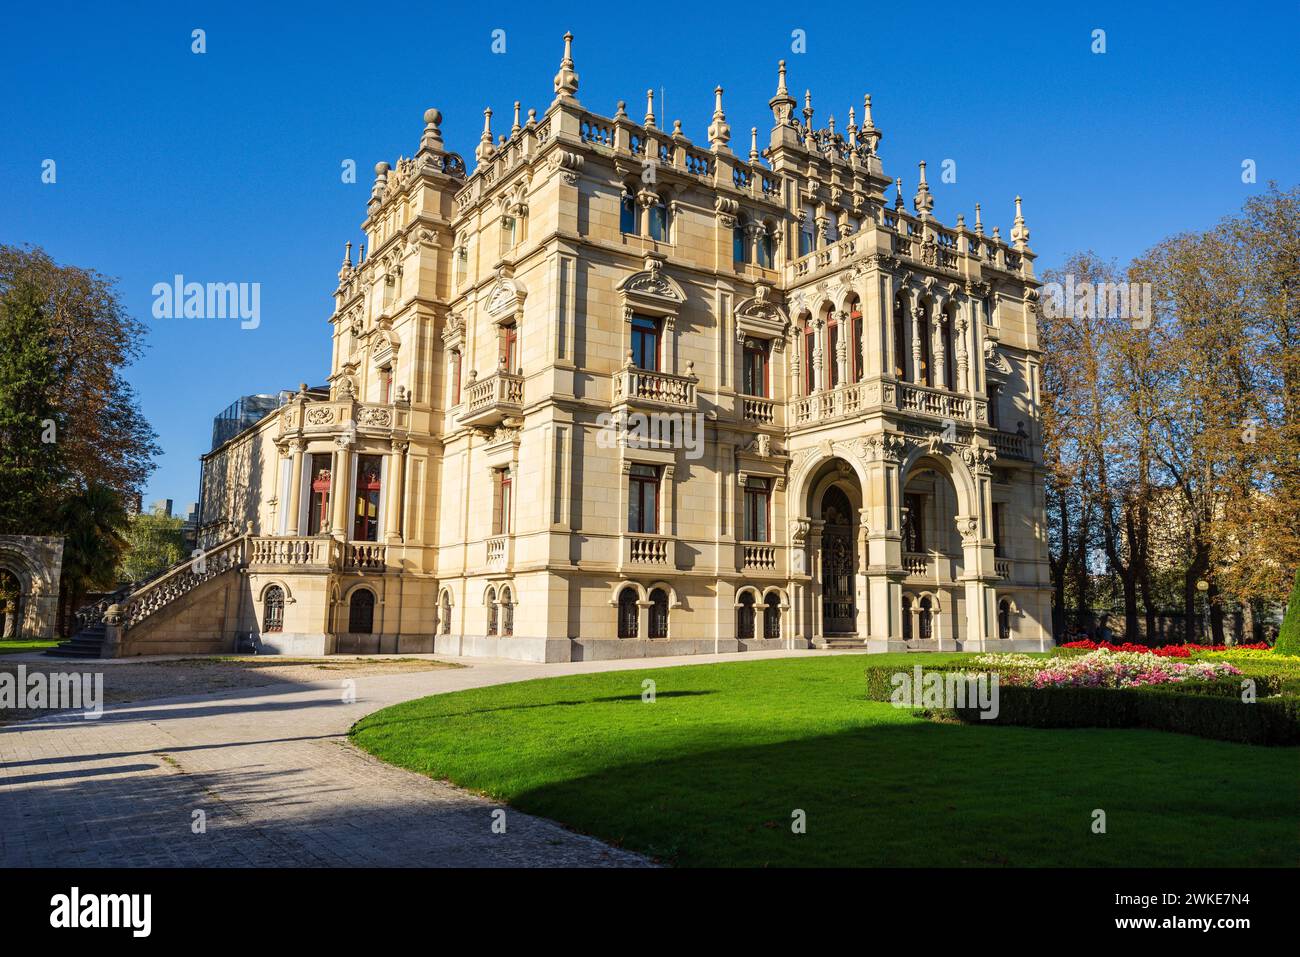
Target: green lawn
[25,644]
[710,773]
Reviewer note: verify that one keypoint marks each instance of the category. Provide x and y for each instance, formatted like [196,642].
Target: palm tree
[94,521]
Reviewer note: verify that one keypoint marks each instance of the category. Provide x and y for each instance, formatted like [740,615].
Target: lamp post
[1203,587]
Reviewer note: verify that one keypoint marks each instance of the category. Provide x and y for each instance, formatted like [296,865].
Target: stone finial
[898,198]
[807,108]
[381,180]
[782,104]
[485,149]
[347,255]
[719,130]
[923,202]
[566,81]
[868,131]
[515,128]
[532,118]
[753,145]
[621,112]
[1019,231]
[649,109]
[853,127]
[432,138]
[979,223]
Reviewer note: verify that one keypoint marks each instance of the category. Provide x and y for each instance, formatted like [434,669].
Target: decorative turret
[1019,231]
[782,103]
[923,202]
[719,130]
[485,149]
[870,135]
[566,81]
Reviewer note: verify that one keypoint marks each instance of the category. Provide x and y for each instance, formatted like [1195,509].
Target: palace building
[613,393]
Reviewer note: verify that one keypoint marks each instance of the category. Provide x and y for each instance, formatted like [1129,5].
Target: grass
[712,771]
[25,644]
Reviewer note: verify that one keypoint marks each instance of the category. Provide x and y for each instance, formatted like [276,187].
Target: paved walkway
[276,779]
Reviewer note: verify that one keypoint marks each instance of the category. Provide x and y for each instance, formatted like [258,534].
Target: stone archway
[30,566]
[836,553]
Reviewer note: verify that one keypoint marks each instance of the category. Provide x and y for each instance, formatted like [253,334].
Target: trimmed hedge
[1288,637]
[1207,709]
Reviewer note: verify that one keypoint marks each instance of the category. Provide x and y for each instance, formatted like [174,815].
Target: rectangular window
[643,500]
[914,523]
[855,352]
[766,249]
[659,222]
[999,516]
[508,226]
[758,498]
[318,503]
[502,489]
[455,377]
[462,264]
[509,344]
[386,385]
[754,378]
[993,404]
[807,231]
[365,524]
[738,245]
[645,343]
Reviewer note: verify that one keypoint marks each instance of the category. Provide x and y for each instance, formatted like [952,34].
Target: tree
[1288,638]
[103,437]
[154,542]
[94,524]
[31,461]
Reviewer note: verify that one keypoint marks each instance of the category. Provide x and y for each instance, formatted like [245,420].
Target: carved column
[914,333]
[841,357]
[979,572]
[395,493]
[339,488]
[939,348]
[299,447]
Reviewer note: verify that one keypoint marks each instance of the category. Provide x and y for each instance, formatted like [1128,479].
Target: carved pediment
[760,316]
[505,301]
[651,291]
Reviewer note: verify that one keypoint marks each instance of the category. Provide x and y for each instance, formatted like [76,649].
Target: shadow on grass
[370,721]
[930,795]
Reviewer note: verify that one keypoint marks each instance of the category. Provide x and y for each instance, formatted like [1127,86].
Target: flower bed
[1103,669]
[1164,651]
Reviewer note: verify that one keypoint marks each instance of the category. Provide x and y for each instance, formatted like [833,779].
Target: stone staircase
[839,642]
[140,600]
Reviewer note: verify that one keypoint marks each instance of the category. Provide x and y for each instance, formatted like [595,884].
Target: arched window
[739,241]
[660,221]
[766,247]
[273,609]
[926,619]
[627,212]
[507,613]
[809,357]
[923,333]
[361,612]
[1004,619]
[833,332]
[772,616]
[444,614]
[855,343]
[628,613]
[491,599]
[745,617]
[900,338]
[658,613]
[907,617]
[949,349]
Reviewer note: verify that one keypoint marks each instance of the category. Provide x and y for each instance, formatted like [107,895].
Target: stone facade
[30,568]
[610,382]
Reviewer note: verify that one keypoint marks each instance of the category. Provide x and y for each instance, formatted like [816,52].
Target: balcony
[319,552]
[842,401]
[364,556]
[758,556]
[642,387]
[1002,566]
[500,552]
[488,401]
[917,565]
[1011,445]
[926,400]
[755,409]
[646,551]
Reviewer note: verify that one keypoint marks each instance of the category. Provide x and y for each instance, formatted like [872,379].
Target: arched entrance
[839,563]
[10,605]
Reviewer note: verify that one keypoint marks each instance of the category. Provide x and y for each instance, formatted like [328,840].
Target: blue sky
[226,166]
